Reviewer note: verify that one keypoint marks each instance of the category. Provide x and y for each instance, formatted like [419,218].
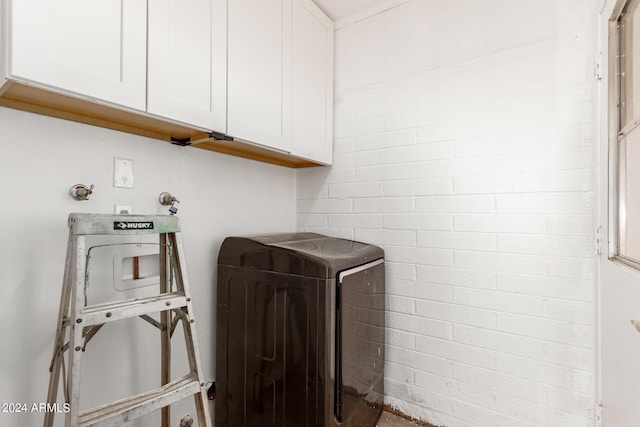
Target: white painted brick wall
[463,147]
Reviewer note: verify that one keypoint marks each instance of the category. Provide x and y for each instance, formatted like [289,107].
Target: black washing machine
[300,332]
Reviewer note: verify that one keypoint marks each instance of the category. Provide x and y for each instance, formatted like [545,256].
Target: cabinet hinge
[596,239]
[183,142]
[598,414]
[220,136]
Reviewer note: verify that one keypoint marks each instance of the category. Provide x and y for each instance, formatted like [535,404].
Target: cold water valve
[166,199]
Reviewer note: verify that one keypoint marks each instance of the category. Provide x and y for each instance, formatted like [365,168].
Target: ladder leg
[193,351]
[61,329]
[75,339]
[165,321]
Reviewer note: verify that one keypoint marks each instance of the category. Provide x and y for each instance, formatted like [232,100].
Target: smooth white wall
[463,146]
[40,159]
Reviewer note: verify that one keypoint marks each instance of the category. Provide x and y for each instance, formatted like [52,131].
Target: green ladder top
[105,224]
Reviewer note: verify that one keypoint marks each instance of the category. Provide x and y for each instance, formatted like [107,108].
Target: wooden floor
[389,420]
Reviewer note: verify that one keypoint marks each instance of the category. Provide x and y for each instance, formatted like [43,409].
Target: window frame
[617,133]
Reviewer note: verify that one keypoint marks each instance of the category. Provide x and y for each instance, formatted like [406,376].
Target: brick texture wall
[463,147]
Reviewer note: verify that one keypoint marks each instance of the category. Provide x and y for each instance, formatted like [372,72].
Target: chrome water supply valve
[166,199]
[80,192]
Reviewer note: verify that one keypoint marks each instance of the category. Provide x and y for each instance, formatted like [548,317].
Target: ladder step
[103,313]
[125,410]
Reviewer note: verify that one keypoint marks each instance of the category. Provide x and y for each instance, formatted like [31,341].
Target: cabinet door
[95,49]
[312,83]
[259,72]
[187,61]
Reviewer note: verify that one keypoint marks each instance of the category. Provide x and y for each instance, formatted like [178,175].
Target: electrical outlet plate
[122,172]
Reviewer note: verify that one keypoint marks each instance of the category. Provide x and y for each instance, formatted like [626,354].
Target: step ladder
[78,323]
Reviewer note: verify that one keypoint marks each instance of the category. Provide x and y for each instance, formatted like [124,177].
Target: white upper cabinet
[187,61]
[280,76]
[92,48]
[259,71]
[259,67]
[312,83]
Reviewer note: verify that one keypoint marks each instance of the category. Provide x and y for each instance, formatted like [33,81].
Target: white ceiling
[337,9]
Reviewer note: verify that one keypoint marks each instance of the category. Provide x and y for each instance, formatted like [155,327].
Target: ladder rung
[125,410]
[102,313]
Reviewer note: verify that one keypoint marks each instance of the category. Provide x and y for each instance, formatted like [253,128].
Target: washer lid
[304,254]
